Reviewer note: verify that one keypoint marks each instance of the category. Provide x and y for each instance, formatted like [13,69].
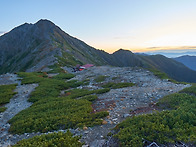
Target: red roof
[87,65]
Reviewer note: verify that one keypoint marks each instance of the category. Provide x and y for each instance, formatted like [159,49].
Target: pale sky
[110,24]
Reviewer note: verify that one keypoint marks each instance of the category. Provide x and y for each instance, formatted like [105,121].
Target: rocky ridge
[139,99]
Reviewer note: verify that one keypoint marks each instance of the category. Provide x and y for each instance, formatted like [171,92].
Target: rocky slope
[189,61]
[139,98]
[33,47]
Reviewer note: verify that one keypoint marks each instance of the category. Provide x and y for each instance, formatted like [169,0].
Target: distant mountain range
[189,61]
[174,53]
[33,47]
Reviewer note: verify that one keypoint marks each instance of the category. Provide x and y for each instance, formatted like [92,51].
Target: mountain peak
[45,24]
[122,51]
[45,21]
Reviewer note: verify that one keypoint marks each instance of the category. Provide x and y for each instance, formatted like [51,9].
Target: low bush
[55,113]
[101,91]
[56,69]
[190,90]
[63,76]
[90,98]
[6,93]
[164,127]
[51,112]
[117,85]
[76,93]
[100,78]
[51,140]
[2,109]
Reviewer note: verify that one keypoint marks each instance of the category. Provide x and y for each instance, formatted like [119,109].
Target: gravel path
[17,103]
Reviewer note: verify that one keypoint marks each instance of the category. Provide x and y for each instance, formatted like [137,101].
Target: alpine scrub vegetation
[117,85]
[52,112]
[176,124]
[2,109]
[53,139]
[100,78]
[6,93]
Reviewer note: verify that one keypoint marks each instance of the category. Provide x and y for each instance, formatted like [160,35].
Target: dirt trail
[17,103]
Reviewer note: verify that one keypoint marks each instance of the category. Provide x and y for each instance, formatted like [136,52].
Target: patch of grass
[101,91]
[55,113]
[76,93]
[6,93]
[117,85]
[163,75]
[68,60]
[190,90]
[63,76]
[51,112]
[100,78]
[2,109]
[90,97]
[159,74]
[51,140]
[176,100]
[47,87]
[31,77]
[55,69]
[163,127]
[114,78]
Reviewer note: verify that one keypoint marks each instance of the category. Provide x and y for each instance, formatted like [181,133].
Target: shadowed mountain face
[189,61]
[174,69]
[32,47]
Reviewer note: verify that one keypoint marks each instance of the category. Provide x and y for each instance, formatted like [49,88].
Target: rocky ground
[17,103]
[118,102]
[139,98]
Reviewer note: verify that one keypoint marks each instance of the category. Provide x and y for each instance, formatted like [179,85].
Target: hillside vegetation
[53,139]
[38,52]
[6,93]
[166,127]
[51,112]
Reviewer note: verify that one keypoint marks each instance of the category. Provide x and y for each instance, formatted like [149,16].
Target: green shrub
[163,75]
[90,98]
[51,140]
[100,78]
[55,69]
[159,74]
[76,93]
[117,85]
[50,112]
[53,114]
[114,78]
[31,77]
[101,91]
[176,100]
[162,127]
[6,93]
[63,76]
[48,87]
[2,109]
[190,90]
